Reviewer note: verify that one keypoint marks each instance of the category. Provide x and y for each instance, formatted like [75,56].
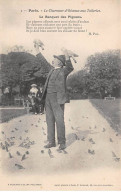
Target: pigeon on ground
[12,131]
[72,128]
[26,131]
[18,153]
[12,143]
[44,133]
[19,166]
[117,159]
[117,134]
[6,147]
[1,144]
[114,155]
[42,151]
[36,125]
[23,157]
[27,152]
[83,139]
[6,143]
[2,132]
[104,129]
[91,140]
[91,152]
[50,153]
[65,152]
[20,138]
[76,137]
[16,129]
[111,140]
[3,147]
[32,142]
[10,156]
[31,124]
[69,119]
[20,121]
[59,151]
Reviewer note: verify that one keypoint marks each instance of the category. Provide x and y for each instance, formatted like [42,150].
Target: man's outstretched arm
[41,58]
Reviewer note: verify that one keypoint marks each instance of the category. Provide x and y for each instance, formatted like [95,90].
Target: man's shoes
[62,147]
[50,145]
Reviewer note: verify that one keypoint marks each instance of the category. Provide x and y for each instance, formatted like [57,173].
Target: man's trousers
[54,114]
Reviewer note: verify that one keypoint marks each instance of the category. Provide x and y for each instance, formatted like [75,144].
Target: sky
[106,23]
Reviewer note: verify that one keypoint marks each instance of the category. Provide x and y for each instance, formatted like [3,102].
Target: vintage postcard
[60,94]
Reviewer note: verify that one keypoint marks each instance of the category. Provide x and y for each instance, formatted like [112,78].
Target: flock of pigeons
[7,142]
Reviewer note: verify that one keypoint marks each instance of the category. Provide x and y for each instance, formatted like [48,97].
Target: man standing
[54,93]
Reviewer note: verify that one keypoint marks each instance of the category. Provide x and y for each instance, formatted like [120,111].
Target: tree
[21,69]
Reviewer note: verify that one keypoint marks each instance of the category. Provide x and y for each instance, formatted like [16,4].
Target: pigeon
[10,156]
[76,137]
[26,131]
[44,133]
[12,143]
[65,152]
[18,153]
[19,166]
[114,155]
[1,144]
[23,157]
[111,140]
[69,120]
[104,129]
[42,151]
[36,125]
[72,128]
[6,147]
[117,159]
[2,132]
[59,151]
[31,124]
[20,121]
[49,151]
[117,134]
[6,143]
[16,129]
[8,139]
[12,131]
[3,147]
[91,140]
[83,139]
[91,152]
[12,138]
[32,142]
[27,152]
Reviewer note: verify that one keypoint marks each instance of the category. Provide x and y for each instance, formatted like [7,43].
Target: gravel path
[91,143]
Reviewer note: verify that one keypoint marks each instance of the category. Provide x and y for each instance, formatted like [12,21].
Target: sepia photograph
[60,95]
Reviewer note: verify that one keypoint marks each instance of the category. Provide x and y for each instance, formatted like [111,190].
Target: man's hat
[61,58]
[33,85]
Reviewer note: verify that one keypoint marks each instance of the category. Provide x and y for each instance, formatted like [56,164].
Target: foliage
[100,77]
